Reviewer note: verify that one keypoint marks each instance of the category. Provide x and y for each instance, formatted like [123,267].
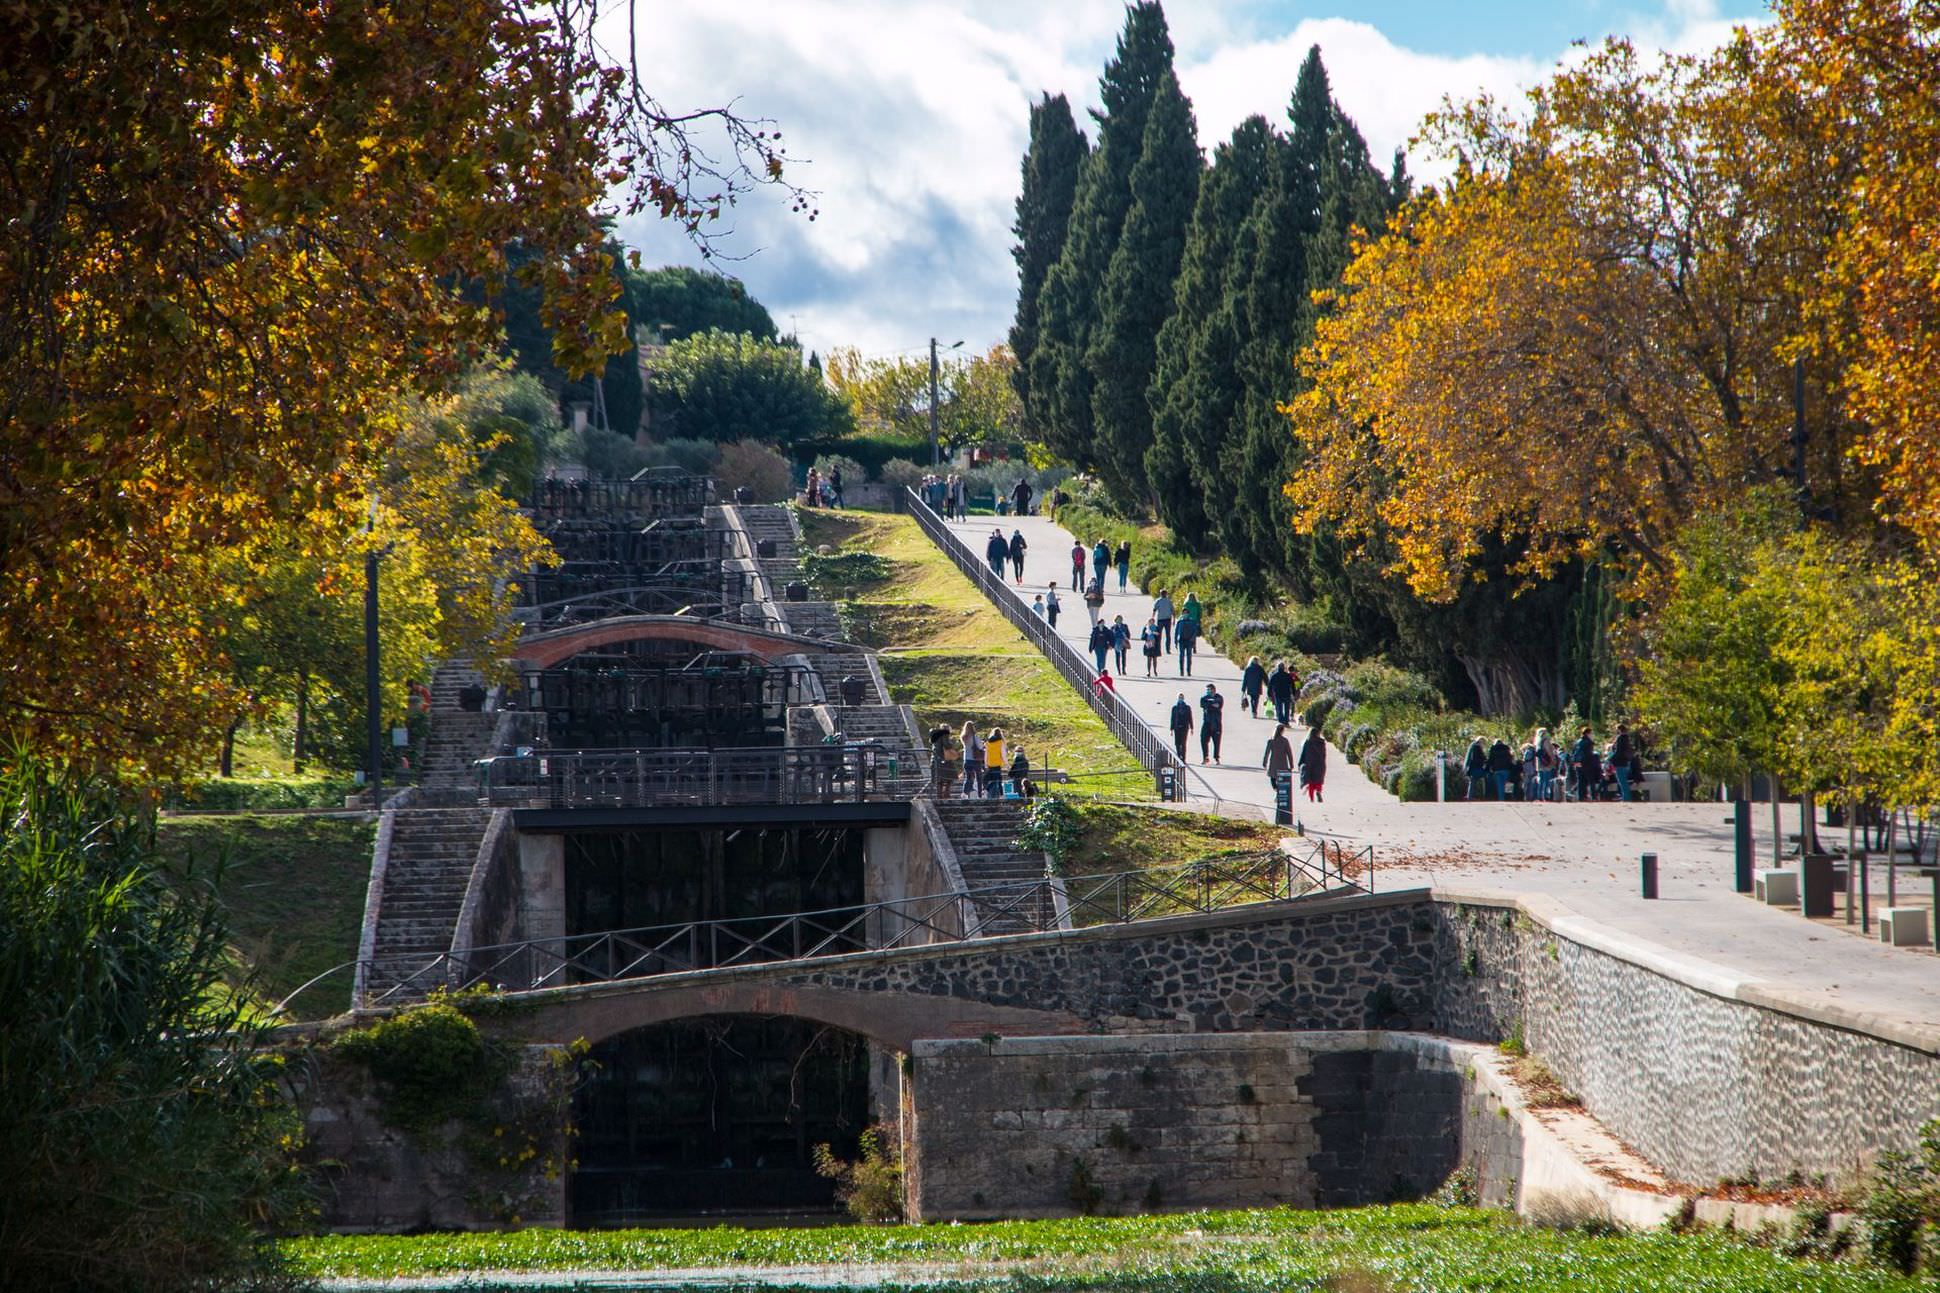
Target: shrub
[1052,827]
[697,456]
[852,471]
[756,466]
[872,451]
[871,1188]
[901,473]
[431,1063]
[253,794]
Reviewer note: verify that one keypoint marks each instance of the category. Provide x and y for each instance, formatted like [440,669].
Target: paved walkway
[1578,861]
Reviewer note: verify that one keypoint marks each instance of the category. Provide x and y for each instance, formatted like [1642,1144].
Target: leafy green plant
[1083,1189]
[431,1063]
[870,1187]
[1052,827]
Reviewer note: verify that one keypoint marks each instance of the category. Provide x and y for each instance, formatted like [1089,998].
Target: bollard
[1741,843]
[1441,776]
[1650,875]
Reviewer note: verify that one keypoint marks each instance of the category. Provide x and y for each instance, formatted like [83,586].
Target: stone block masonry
[1049,1126]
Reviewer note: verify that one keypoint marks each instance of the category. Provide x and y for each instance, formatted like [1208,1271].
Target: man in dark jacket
[1623,760]
[1100,642]
[1212,723]
[1181,725]
[1252,681]
[1587,768]
[997,551]
[1022,495]
[1279,690]
[1502,768]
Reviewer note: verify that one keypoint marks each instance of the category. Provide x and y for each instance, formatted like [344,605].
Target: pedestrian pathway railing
[858,771]
[1053,903]
[1146,745]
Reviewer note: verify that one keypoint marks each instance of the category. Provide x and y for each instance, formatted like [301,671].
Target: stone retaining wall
[1049,1126]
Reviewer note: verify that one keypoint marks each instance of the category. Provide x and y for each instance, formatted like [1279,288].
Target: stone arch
[543,650]
[891,1019]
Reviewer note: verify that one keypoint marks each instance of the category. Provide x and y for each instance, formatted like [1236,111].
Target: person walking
[1475,766]
[1252,683]
[835,487]
[972,761]
[996,551]
[1181,721]
[1123,558]
[942,772]
[1121,641]
[1095,599]
[1162,615]
[1021,495]
[1278,758]
[1190,611]
[1103,683]
[1100,558]
[1017,546]
[993,764]
[1212,724]
[1077,567]
[1187,636]
[1279,690]
[1149,638]
[1548,760]
[1099,642]
[1623,758]
[1313,765]
[1051,604]
[1502,768]
[1586,767]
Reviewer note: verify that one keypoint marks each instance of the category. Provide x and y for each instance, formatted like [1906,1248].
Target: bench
[1776,887]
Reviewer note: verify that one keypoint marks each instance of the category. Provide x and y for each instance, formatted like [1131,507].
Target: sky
[909,118]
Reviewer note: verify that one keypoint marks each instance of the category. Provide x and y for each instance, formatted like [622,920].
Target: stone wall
[373,1176]
[1049,1126]
[1703,1085]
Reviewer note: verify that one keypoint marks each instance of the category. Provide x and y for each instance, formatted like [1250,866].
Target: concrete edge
[373,903]
[496,831]
[1705,976]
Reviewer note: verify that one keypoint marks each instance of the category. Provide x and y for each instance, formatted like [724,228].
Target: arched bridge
[544,649]
[1313,963]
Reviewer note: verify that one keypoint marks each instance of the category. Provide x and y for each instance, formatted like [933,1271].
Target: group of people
[1102,557]
[990,767]
[999,551]
[1279,759]
[945,494]
[823,491]
[1542,769]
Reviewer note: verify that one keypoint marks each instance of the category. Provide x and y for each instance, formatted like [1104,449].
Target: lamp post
[936,449]
[373,691]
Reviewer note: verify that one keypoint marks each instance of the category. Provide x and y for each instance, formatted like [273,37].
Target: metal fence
[1324,869]
[853,771]
[1146,745]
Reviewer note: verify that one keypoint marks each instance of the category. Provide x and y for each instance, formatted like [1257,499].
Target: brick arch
[543,650]
[892,1019]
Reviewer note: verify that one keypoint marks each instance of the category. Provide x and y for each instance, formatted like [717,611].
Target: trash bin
[796,591]
[851,689]
[764,548]
[1817,883]
[743,495]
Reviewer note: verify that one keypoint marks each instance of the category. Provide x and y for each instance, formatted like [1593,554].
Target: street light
[936,451]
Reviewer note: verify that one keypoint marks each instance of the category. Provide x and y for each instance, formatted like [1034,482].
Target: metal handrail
[1118,715]
[858,771]
[1014,907]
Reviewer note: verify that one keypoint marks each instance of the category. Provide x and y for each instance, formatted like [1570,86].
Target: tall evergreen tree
[1195,385]
[1138,293]
[1068,304]
[1057,154]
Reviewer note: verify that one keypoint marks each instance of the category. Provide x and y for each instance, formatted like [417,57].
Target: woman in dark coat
[1278,759]
[1313,765]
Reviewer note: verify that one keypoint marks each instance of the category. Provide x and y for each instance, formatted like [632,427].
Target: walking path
[1576,862]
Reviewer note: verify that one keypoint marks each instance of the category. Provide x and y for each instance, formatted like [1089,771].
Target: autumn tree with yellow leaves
[235,236]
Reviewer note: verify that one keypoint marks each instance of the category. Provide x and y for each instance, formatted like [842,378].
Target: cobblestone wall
[1703,1086]
[1049,1126]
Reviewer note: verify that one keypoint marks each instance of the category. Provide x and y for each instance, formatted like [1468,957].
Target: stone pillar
[542,903]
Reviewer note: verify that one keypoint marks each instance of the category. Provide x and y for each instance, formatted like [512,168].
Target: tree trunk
[1892,859]
[1808,827]
[1509,685]
[229,748]
[1778,824]
[300,746]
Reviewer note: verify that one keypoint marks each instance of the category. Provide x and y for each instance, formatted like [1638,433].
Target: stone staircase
[457,738]
[884,723]
[834,666]
[812,619]
[984,834]
[772,521]
[430,863]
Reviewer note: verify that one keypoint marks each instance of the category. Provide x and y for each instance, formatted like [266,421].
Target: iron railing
[1146,745]
[851,771]
[1324,869]
[657,492]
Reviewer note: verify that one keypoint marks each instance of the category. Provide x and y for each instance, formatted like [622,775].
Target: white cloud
[910,121]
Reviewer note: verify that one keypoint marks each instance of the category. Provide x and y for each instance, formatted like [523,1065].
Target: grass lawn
[1370,1250]
[1126,837]
[293,888]
[949,654]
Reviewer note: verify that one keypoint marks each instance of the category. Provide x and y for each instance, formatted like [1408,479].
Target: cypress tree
[1051,166]
[1138,290]
[1195,385]
[1068,303]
